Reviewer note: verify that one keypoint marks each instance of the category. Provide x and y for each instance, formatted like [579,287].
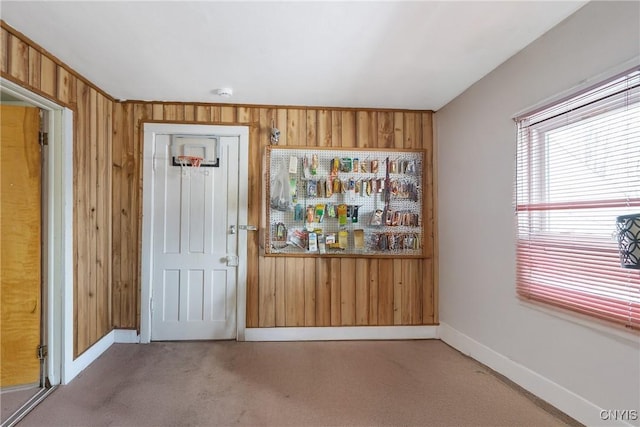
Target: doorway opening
[194,242]
[39,367]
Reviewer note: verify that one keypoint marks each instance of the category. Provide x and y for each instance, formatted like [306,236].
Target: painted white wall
[475,137]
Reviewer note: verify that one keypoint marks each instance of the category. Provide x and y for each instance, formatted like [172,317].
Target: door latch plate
[232,260]
[248,227]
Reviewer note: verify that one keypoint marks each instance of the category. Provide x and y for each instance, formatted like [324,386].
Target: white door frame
[150,131]
[58,320]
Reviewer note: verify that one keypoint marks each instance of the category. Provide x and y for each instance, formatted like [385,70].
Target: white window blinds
[578,169]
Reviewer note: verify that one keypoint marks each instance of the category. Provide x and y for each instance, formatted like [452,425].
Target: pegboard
[342,202]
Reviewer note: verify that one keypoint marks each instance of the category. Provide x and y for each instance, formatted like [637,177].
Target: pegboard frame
[276,157]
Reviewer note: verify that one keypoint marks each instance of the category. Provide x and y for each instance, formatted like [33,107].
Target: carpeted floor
[363,383]
[11,400]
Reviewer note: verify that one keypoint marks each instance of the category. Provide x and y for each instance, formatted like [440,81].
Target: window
[578,168]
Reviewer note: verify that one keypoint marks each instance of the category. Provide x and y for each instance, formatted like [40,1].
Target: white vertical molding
[149,137]
[243,204]
[66,297]
[59,220]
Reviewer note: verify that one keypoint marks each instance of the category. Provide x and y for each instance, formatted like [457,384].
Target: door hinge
[43,138]
[42,352]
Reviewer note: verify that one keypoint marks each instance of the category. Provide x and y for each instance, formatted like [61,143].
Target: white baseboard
[73,367]
[342,333]
[126,336]
[565,400]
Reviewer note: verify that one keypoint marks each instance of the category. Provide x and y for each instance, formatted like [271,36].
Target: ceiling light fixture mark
[224,92]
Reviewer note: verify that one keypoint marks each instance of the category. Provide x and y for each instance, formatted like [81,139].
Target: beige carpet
[371,383]
[11,400]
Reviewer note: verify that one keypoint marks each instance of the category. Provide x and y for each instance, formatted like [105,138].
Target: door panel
[20,259]
[193,288]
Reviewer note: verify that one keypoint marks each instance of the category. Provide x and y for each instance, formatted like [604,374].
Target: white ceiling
[395,54]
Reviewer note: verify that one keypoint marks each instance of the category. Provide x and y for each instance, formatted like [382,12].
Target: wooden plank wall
[280,291]
[25,63]
[286,291]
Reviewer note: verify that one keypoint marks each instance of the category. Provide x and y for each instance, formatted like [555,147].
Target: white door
[195,246]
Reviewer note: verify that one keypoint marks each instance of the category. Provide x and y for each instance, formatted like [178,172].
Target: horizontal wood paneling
[287,291]
[27,64]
